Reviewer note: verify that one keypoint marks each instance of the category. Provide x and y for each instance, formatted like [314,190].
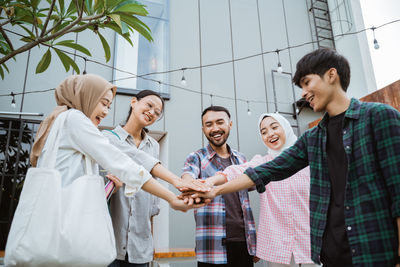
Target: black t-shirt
[233,212]
[335,245]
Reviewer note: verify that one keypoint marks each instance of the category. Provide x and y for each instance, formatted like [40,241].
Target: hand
[179,204]
[256,259]
[117,182]
[192,185]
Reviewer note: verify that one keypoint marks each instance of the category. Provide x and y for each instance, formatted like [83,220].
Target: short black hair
[215,108]
[321,60]
[143,94]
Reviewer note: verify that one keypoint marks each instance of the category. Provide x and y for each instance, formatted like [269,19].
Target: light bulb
[280,69]
[248,112]
[183,81]
[13,100]
[376,45]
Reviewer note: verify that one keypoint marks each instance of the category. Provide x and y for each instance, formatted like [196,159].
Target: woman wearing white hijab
[283,236]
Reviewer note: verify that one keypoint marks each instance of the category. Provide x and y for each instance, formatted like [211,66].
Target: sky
[386,59]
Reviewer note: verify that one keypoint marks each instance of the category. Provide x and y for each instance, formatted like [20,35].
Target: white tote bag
[60,226]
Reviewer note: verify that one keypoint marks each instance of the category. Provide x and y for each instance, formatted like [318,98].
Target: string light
[376,45]
[211,96]
[13,104]
[183,80]
[280,69]
[84,70]
[248,109]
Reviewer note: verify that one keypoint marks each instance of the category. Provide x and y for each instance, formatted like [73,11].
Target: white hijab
[290,136]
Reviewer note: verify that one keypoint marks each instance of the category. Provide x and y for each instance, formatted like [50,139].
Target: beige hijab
[81,92]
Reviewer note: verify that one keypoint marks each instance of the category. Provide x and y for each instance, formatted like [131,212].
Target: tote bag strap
[88,165]
[52,142]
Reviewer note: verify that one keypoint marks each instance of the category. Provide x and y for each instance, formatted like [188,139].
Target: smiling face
[147,110]
[319,92]
[216,127]
[102,108]
[272,133]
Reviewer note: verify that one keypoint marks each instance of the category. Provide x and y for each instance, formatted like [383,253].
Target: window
[144,57]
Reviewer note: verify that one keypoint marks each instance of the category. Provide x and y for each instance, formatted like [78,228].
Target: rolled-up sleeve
[89,141]
[285,165]
[192,166]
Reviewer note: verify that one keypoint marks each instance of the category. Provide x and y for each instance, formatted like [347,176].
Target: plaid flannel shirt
[210,220]
[371,139]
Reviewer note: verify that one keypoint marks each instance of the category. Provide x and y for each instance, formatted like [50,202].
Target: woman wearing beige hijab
[87,99]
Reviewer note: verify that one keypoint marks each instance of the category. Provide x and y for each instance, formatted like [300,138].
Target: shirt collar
[353,112]
[123,134]
[211,153]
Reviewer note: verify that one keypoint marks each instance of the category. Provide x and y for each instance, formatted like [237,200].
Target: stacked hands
[194,193]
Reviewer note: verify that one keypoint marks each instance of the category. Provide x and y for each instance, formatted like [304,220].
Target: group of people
[332,196]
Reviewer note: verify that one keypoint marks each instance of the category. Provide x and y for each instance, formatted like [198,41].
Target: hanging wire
[143,76]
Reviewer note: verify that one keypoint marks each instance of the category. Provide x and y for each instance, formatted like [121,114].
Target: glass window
[144,57]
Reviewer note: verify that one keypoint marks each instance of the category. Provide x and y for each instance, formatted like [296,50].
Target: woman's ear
[133,101]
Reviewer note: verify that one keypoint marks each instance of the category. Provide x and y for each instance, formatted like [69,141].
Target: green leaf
[5,66]
[61,3]
[98,5]
[26,39]
[44,62]
[116,18]
[132,8]
[67,61]
[116,28]
[88,5]
[35,3]
[138,25]
[31,35]
[71,8]
[1,73]
[75,46]
[106,47]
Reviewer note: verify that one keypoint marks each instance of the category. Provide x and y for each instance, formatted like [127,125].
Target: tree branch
[53,2]
[6,38]
[45,39]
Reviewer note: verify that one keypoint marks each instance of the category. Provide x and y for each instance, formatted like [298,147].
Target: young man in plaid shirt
[225,228]
[354,159]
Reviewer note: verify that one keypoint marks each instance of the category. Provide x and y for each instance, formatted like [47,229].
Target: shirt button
[124,248]
[347,208]
[347,147]
[349,228]
[344,132]
[353,251]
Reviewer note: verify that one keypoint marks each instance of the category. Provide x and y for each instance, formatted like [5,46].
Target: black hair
[321,60]
[215,108]
[143,94]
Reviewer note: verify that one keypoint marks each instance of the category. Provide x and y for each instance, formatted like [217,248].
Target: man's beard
[221,143]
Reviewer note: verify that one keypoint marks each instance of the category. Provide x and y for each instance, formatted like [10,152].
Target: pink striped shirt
[284,224]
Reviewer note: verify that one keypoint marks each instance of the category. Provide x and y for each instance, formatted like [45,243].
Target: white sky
[386,59]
